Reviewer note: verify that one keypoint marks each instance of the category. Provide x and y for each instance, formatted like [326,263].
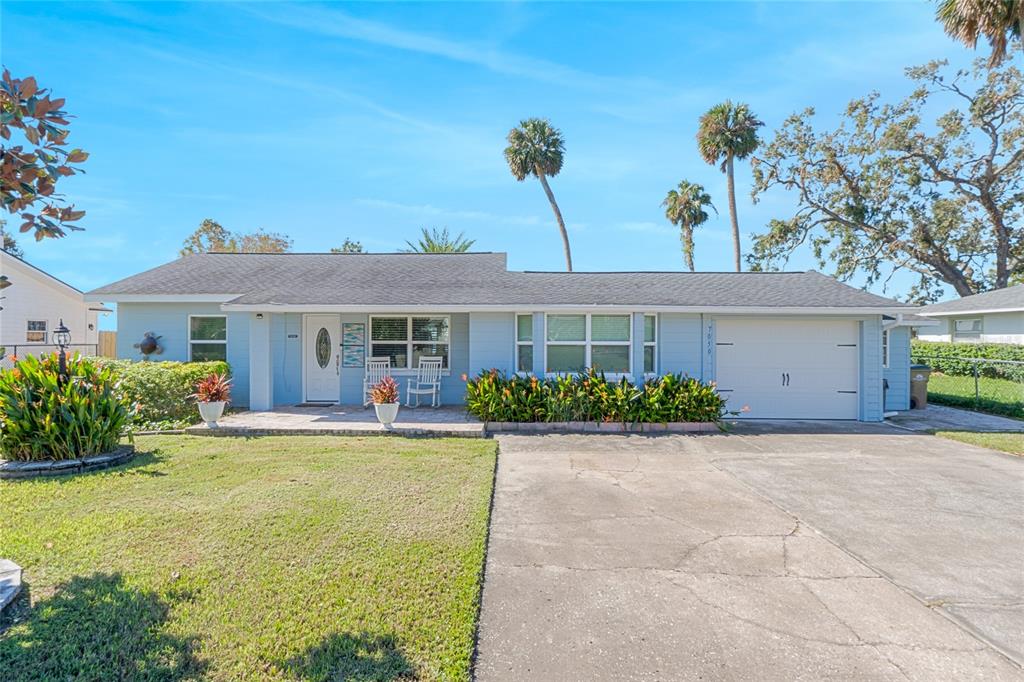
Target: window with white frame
[405,339]
[967,330]
[650,344]
[207,338]
[577,341]
[35,331]
[885,348]
[524,343]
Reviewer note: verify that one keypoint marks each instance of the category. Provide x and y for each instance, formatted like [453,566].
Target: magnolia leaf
[28,87]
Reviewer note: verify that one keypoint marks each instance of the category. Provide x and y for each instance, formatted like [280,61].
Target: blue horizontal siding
[169,321]
[679,347]
[897,374]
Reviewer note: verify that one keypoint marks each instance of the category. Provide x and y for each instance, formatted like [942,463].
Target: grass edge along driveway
[313,558]
[1003,441]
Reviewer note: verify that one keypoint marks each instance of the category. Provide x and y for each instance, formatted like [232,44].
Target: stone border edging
[14,469]
[600,427]
[259,432]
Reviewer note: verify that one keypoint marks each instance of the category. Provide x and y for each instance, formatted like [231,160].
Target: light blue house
[298,328]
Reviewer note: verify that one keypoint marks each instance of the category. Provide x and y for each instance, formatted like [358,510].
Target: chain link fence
[995,386]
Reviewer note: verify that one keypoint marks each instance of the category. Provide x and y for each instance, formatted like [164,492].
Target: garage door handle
[785,378]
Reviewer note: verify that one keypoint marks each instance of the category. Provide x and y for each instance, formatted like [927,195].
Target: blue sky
[368,121]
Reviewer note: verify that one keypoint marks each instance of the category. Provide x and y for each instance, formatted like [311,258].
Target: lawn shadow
[97,627]
[348,656]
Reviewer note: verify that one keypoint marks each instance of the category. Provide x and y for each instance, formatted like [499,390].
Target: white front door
[322,339]
[789,369]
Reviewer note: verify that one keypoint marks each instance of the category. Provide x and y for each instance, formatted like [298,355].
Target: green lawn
[318,558]
[998,396]
[1012,443]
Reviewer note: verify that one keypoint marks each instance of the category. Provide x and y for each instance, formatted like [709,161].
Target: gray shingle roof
[1008,299]
[475,279]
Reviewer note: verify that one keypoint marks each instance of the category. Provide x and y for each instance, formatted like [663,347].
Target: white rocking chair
[376,370]
[426,382]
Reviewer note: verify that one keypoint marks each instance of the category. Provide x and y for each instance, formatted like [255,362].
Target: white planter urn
[386,413]
[211,412]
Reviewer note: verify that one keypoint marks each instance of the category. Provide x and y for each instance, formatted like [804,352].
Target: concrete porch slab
[345,420]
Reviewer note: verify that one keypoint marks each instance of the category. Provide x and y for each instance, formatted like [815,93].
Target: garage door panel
[797,369]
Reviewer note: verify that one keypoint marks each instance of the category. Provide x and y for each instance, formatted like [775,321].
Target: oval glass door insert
[323,347]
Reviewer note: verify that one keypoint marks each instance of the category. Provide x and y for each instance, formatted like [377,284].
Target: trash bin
[919,386]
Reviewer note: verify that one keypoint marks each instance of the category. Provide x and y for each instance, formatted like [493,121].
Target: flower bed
[46,417]
[589,398]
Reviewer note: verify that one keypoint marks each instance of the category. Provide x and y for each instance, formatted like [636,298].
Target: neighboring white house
[992,317]
[35,303]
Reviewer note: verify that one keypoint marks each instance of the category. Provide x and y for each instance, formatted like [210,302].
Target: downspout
[898,322]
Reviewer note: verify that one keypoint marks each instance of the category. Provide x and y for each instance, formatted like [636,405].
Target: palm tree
[998,21]
[437,240]
[684,207]
[536,148]
[727,132]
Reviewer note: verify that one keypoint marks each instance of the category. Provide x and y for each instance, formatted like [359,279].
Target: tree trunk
[686,235]
[731,183]
[558,217]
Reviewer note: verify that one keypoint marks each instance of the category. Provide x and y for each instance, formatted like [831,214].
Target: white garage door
[788,369]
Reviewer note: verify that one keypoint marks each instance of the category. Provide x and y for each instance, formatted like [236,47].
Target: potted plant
[385,401]
[213,392]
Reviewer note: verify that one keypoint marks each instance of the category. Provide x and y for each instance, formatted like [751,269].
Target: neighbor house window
[885,348]
[406,339]
[207,338]
[575,342]
[524,343]
[650,343]
[967,330]
[35,332]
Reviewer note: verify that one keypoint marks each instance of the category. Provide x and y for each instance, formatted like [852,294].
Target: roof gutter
[530,307]
[978,311]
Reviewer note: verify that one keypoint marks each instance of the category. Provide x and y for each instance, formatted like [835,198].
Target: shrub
[213,388]
[163,391]
[948,358]
[492,396]
[385,392]
[44,418]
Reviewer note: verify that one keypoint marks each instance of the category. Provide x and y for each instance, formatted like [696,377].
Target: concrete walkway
[345,420]
[630,557]
[943,418]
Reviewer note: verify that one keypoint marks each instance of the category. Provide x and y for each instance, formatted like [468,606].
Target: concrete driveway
[701,558]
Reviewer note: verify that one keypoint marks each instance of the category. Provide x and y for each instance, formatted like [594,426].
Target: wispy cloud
[431,211]
[332,22]
[305,86]
[648,227]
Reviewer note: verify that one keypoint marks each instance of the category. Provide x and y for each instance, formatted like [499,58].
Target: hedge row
[162,390]
[949,358]
[492,396]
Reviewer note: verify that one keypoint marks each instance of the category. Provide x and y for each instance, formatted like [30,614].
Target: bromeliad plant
[385,392]
[42,417]
[213,388]
[588,396]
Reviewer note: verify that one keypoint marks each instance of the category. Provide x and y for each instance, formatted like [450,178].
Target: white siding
[995,328]
[35,296]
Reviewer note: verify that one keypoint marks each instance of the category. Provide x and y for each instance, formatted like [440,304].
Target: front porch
[345,420]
